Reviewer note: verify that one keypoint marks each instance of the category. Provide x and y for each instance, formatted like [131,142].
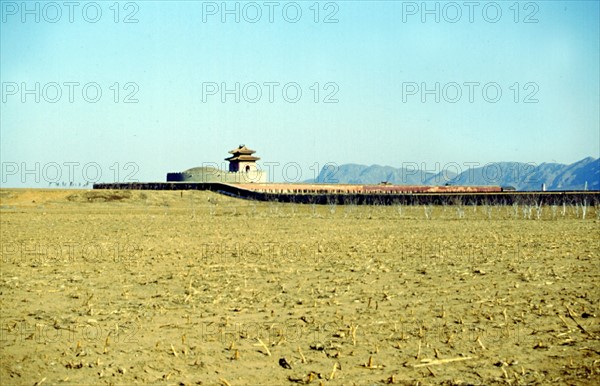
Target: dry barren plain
[185,288]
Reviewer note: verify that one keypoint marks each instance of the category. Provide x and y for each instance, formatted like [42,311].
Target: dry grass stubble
[197,288]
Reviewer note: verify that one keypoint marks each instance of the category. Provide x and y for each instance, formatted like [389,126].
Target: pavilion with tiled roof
[242,169]
[242,159]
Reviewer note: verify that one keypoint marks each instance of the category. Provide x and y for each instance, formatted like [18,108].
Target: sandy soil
[101,287]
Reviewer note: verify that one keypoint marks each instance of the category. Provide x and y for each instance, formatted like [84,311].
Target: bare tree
[527,212]
[538,210]
[428,211]
[460,211]
[332,203]
[488,211]
[312,200]
[398,205]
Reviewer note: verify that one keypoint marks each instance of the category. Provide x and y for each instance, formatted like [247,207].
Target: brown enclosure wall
[358,194]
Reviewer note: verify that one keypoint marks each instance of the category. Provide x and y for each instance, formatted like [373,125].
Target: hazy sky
[370,82]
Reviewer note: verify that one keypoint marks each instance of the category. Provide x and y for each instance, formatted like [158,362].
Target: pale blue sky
[370,56]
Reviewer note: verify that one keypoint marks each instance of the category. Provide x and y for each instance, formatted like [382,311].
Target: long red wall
[369,189]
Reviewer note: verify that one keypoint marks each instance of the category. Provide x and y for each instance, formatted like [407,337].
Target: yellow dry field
[184,288]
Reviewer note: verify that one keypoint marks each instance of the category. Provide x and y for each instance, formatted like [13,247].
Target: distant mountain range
[522,176]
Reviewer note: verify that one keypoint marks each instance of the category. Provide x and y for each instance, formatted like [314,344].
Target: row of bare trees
[527,210]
